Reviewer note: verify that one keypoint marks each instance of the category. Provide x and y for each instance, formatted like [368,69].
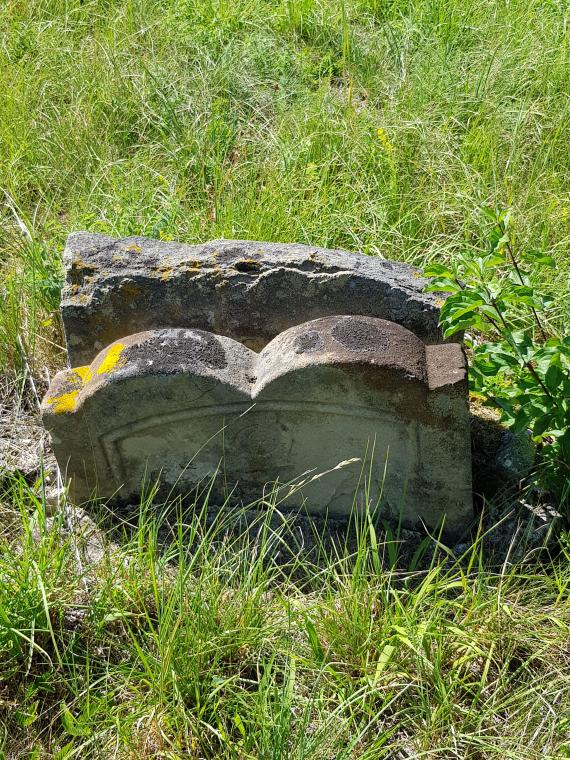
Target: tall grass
[373,125]
[195,119]
[185,638]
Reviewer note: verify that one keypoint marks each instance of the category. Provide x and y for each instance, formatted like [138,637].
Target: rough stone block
[244,290]
[176,405]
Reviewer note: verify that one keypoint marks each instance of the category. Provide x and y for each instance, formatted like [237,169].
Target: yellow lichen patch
[190,271]
[83,373]
[79,265]
[129,289]
[191,266]
[64,403]
[112,359]
[134,248]
[165,268]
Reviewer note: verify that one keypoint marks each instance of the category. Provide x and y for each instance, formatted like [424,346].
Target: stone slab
[244,290]
[360,399]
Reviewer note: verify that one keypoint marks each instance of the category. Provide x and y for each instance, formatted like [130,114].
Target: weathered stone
[244,290]
[176,405]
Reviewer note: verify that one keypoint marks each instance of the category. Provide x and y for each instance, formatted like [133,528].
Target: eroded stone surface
[177,405]
[248,291]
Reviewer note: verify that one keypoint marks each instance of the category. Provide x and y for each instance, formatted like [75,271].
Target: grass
[375,125]
[209,646]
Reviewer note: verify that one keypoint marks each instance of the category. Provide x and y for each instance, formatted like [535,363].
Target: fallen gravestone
[248,291]
[176,405]
[352,392]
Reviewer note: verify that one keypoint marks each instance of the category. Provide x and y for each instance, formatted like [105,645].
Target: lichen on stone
[83,373]
[112,360]
[64,403]
[79,265]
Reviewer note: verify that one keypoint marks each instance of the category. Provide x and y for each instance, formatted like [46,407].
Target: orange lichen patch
[65,403]
[112,360]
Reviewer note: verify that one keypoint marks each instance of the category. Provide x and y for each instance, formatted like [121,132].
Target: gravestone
[248,291]
[176,405]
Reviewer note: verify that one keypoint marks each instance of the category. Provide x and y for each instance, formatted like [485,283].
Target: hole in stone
[247,265]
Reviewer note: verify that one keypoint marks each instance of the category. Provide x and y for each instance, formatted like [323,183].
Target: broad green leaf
[438,270]
[553,378]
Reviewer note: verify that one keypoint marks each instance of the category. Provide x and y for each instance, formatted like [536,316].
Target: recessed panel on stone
[332,403]
[249,291]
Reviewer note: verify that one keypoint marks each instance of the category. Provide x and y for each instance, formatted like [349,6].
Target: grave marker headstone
[176,405]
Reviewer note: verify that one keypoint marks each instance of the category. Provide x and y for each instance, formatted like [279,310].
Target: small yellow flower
[385,142]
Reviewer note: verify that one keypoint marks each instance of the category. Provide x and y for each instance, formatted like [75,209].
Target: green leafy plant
[519,363]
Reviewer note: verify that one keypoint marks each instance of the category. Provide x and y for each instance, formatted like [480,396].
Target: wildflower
[384,141]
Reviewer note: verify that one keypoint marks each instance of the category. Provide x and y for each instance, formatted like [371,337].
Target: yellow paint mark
[64,403]
[112,359]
